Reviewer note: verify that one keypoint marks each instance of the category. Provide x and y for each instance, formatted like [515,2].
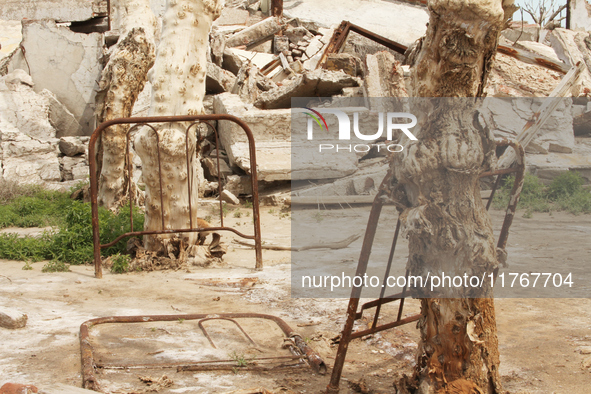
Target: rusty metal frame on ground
[195,120]
[341,33]
[380,200]
[89,366]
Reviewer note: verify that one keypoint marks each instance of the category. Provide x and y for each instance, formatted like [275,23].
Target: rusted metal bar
[277,8]
[393,45]
[342,32]
[144,121]
[373,330]
[515,192]
[352,315]
[313,358]
[372,225]
[200,324]
[206,364]
[258,368]
[90,382]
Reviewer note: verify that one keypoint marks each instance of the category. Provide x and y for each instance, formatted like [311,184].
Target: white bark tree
[122,80]
[178,81]
[438,182]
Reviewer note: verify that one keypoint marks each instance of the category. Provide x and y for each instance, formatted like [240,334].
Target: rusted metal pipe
[144,121]
[90,382]
[277,8]
[352,314]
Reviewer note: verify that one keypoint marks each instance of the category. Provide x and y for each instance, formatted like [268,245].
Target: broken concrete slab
[73,146]
[11,318]
[65,63]
[23,109]
[212,166]
[507,117]
[538,48]
[510,77]
[218,80]
[259,59]
[362,182]
[520,31]
[411,19]
[571,47]
[57,10]
[274,149]
[384,76]
[230,198]
[28,160]
[256,33]
[273,157]
[313,83]
[297,34]
[217,43]
[314,47]
[238,185]
[73,168]
[60,117]
[10,39]
[346,62]
[232,16]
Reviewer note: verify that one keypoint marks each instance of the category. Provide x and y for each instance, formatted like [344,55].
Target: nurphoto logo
[391,119]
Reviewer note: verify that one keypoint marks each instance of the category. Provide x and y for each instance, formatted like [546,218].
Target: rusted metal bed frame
[380,200]
[298,347]
[195,120]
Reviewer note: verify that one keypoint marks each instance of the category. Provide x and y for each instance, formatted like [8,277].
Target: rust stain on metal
[195,119]
[352,314]
[89,366]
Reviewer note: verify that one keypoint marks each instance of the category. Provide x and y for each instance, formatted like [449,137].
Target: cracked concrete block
[74,168]
[72,146]
[271,130]
[60,117]
[218,80]
[238,184]
[22,108]
[28,160]
[58,10]
[314,83]
[11,318]
[507,117]
[296,34]
[384,76]
[230,198]
[212,165]
[346,62]
[65,63]
[255,33]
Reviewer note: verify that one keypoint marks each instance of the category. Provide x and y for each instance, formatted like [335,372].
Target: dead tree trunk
[178,81]
[445,220]
[121,82]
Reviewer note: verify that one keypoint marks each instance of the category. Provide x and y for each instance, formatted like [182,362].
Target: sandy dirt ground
[545,344]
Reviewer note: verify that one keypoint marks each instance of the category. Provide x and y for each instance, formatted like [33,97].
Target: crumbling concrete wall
[58,10]
[65,63]
[580,15]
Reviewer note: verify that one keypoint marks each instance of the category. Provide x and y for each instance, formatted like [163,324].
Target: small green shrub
[55,266]
[120,263]
[72,241]
[565,193]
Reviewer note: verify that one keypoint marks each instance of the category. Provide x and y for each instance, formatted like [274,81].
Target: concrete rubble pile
[257,64]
